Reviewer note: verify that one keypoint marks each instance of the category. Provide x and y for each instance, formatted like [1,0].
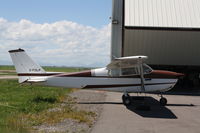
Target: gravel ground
[85,101]
[88,100]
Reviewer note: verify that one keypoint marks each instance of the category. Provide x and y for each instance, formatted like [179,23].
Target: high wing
[126,62]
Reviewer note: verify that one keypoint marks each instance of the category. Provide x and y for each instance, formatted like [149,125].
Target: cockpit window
[129,71]
[123,72]
[114,72]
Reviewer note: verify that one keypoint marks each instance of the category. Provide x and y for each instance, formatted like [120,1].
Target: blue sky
[57,32]
[87,12]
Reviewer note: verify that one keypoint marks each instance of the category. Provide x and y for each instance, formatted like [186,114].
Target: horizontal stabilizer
[36,80]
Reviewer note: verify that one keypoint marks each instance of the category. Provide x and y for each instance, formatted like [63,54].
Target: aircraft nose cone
[175,74]
[167,74]
[180,74]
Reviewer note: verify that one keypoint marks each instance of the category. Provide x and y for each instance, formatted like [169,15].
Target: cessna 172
[125,74]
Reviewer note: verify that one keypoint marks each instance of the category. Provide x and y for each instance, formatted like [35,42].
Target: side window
[129,71]
[123,72]
[114,72]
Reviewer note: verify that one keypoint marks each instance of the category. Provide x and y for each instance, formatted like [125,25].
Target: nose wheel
[126,99]
[163,101]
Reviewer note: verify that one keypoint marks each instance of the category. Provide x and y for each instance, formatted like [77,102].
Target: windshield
[146,69]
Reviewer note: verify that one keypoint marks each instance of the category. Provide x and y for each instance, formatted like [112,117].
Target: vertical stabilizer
[24,65]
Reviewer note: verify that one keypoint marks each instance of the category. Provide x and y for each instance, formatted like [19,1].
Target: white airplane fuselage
[99,79]
[124,74]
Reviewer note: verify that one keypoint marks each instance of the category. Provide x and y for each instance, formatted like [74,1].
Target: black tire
[126,100]
[163,101]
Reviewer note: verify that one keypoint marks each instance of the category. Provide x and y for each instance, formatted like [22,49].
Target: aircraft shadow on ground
[181,105]
[147,107]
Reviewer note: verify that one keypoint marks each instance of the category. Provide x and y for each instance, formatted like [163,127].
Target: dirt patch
[86,100]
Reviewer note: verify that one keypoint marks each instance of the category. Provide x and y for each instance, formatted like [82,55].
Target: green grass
[5,67]
[8,73]
[25,99]
[25,106]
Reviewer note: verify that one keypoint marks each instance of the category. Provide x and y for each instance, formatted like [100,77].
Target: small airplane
[125,75]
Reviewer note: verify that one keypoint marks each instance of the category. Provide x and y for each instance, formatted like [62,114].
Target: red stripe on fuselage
[125,85]
[38,74]
[75,74]
[163,74]
[154,74]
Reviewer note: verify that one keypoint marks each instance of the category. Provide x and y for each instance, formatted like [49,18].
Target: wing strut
[142,77]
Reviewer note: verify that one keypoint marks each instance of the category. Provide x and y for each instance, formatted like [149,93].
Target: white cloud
[60,43]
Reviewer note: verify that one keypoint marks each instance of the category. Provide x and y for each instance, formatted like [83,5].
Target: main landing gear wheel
[126,100]
[163,101]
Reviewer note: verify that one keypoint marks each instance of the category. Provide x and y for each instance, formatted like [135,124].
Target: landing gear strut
[126,99]
[163,101]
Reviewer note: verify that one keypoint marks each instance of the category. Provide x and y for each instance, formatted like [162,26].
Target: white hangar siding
[162,13]
[168,31]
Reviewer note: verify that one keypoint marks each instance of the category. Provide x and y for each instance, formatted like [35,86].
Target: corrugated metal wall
[164,47]
[162,13]
[168,31]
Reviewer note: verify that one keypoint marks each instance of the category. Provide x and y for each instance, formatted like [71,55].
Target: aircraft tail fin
[24,65]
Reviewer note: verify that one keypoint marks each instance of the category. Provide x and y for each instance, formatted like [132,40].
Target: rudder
[24,64]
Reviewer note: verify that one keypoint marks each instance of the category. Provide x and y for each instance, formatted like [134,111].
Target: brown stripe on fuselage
[38,74]
[163,74]
[154,74]
[76,74]
[124,85]
[157,74]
